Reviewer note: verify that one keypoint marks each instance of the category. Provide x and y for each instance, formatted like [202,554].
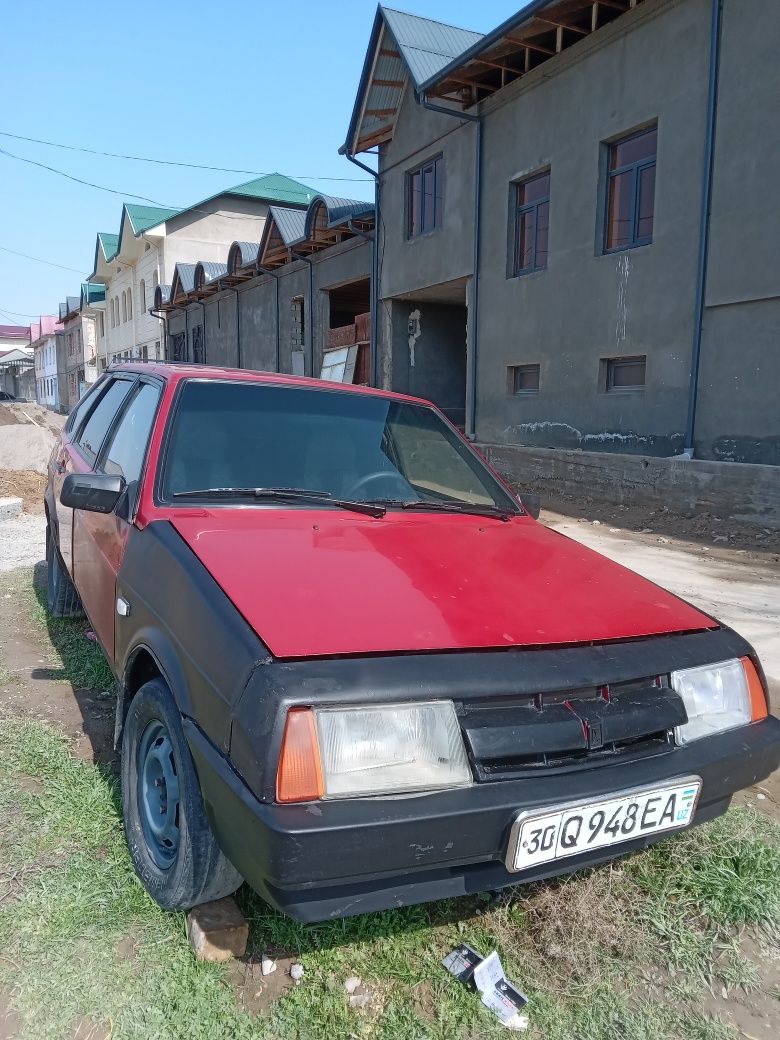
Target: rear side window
[127,448]
[93,434]
[84,405]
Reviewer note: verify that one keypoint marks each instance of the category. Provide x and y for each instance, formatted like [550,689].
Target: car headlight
[718,697]
[377,749]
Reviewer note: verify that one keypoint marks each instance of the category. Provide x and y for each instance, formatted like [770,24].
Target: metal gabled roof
[339,211]
[92,292]
[402,47]
[538,32]
[207,271]
[144,217]
[290,223]
[162,296]
[184,278]
[108,243]
[242,254]
[275,187]
[425,45]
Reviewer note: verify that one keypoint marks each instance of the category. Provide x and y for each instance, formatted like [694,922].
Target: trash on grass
[296,972]
[486,976]
[267,965]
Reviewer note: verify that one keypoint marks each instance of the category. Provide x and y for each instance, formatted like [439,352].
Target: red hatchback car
[354,670]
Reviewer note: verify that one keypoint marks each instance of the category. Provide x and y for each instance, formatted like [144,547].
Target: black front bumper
[335,859]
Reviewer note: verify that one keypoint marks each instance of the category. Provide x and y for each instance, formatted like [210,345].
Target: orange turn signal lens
[299,778]
[758,707]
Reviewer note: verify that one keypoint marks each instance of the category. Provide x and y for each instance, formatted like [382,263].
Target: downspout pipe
[238,326]
[704,224]
[203,315]
[161,316]
[275,275]
[374,290]
[471,411]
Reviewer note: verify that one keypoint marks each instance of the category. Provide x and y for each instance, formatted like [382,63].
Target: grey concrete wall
[738,414]
[431,364]
[650,65]
[747,493]
[446,253]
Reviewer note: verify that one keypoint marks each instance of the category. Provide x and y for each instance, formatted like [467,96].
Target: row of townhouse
[570,249]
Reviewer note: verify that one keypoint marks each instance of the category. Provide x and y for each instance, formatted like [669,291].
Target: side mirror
[531,503]
[95,492]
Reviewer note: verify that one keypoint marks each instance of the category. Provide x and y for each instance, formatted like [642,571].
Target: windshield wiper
[448,507]
[283,493]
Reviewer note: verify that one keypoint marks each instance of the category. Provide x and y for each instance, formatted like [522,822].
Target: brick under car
[354,670]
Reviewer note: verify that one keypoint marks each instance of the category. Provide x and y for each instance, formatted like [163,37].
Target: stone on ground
[218,930]
[10,508]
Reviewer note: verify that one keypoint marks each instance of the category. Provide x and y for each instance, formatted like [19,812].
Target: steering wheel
[377,477]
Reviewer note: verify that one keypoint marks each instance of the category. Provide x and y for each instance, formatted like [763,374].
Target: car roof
[176,371]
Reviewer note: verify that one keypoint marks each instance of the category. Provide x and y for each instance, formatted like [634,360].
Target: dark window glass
[125,455]
[358,446]
[84,406]
[631,191]
[532,224]
[626,373]
[424,198]
[524,379]
[94,432]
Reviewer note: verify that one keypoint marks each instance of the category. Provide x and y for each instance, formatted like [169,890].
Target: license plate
[542,835]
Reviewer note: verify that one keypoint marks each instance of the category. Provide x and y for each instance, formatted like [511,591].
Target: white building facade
[43,340]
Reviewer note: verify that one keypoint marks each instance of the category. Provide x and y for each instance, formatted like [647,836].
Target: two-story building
[576,250]
[79,348]
[43,340]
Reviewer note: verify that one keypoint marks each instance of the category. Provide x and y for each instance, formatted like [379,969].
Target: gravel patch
[22,541]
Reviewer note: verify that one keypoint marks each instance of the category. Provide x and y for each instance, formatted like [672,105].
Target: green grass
[579,947]
[627,951]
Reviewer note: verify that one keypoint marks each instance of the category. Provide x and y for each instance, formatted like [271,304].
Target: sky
[258,86]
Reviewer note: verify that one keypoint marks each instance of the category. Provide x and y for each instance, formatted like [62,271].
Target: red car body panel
[317,583]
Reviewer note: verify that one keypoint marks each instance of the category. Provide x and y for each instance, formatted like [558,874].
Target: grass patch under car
[599,954]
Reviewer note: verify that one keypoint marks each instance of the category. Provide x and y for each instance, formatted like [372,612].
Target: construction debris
[486,976]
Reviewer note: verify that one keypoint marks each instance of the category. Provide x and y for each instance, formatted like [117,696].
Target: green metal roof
[108,244]
[92,292]
[144,217]
[274,187]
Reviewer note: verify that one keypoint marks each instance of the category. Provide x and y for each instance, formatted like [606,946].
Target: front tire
[61,596]
[172,846]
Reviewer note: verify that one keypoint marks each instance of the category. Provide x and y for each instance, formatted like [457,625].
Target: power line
[12,320]
[22,314]
[78,180]
[51,263]
[166,162]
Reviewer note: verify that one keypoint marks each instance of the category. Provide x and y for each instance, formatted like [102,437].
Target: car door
[99,539]
[64,460]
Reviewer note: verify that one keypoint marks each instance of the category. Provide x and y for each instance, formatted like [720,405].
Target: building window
[142,294]
[524,379]
[129,304]
[424,197]
[101,325]
[124,307]
[532,223]
[631,191]
[625,373]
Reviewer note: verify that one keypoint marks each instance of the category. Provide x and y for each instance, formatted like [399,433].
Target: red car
[354,670]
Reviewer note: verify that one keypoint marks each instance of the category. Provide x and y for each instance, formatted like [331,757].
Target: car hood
[316,582]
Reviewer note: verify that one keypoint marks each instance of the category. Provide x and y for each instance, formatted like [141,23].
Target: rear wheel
[171,842]
[61,596]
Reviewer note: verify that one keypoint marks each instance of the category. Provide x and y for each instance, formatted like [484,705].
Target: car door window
[84,405]
[126,450]
[94,432]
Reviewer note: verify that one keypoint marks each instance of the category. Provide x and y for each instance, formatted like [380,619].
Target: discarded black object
[486,976]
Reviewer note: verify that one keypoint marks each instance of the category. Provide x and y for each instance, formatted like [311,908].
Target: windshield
[242,436]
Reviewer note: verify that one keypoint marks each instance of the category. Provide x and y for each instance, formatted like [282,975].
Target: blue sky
[258,86]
